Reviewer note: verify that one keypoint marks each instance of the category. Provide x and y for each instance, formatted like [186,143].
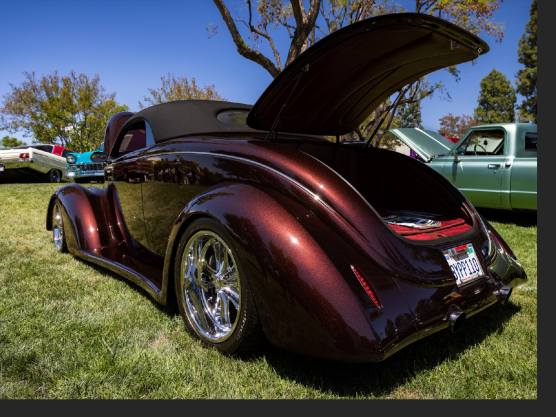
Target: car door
[477,169]
[127,176]
[175,178]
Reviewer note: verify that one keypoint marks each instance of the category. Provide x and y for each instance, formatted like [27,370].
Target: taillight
[24,156]
[367,286]
[509,252]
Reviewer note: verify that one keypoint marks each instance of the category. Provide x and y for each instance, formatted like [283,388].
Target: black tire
[58,232]
[245,334]
[54,176]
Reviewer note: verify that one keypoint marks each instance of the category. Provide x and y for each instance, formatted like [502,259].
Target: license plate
[464,263]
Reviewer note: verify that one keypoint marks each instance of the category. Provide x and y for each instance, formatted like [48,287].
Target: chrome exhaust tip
[503,294]
[456,319]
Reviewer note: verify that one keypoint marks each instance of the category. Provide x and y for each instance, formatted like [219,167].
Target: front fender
[83,214]
[304,300]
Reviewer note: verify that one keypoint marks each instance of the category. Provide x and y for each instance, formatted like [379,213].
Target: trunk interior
[391,183]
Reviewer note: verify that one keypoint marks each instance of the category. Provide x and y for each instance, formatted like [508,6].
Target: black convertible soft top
[190,117]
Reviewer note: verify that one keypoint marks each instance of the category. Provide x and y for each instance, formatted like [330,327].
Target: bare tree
[306,27]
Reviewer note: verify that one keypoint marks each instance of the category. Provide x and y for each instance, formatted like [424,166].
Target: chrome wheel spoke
[223,311]
[232,293]
[196,306]
[222,263]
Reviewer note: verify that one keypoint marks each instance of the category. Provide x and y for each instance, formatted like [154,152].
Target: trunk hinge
[304,70]
[381,122]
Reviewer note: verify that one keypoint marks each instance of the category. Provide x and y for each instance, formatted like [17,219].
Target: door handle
[494,165]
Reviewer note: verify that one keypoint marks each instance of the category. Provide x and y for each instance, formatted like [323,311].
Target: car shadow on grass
[368,379]
[382,378]
[171,308]
[519,218]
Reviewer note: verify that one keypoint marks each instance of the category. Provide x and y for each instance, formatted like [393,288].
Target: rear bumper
[432,306]
[19,171]
[5,165]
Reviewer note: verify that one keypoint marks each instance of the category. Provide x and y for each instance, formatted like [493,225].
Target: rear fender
[305,303]
[506,268]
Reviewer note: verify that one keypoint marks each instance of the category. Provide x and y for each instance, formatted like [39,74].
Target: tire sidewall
[233,343]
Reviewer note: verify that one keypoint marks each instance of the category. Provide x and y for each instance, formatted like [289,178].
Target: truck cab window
[483,143]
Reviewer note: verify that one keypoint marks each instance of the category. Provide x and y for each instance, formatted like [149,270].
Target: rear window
[233,118]
[44,148]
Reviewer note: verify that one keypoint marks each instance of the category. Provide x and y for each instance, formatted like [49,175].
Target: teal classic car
[82,170]
[493,165]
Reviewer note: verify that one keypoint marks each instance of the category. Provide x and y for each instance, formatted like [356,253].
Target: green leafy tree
[305,26]
[456,126]
[409,115]
[527,77]
[8,143]
[179,88]
[70,110]
[496,100]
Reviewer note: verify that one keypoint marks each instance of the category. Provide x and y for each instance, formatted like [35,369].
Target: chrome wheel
[210,285]
[57,227]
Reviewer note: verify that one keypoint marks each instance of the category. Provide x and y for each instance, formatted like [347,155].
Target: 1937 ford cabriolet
[265,229]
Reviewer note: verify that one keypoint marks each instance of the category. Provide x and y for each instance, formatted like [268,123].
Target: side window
[65,152]
[135,137]
[483,143]
[531,141]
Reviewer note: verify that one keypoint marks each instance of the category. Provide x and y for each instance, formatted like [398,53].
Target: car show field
[72,329]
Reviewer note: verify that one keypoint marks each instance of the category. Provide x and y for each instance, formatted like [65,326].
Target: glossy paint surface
[297,225]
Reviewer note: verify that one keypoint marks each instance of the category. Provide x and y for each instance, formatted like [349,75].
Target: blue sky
[130,44]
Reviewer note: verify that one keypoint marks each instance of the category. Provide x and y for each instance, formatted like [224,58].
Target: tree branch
[305,22]
[242,47]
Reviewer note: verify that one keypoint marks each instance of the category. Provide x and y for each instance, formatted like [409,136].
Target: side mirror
[99,157]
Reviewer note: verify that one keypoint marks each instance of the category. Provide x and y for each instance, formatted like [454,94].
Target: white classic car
[32,163]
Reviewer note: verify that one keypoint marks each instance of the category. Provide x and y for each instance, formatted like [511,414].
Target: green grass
[71,329]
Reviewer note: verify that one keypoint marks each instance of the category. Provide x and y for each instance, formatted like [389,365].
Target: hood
[353,70]
[426,143]
[83,158]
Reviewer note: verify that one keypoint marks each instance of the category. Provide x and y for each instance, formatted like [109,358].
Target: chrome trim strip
[85,174]
[312,194]
[122,270]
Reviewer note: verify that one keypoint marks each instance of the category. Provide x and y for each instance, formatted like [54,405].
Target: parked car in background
[32,163]
[263,228]
[81,169]
[493,165]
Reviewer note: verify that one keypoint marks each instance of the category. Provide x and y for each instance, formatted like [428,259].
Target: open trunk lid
[353,70]
[426,143]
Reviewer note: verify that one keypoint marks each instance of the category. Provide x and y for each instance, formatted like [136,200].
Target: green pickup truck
[493,165]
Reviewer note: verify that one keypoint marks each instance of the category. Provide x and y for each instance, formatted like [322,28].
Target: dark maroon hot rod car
[265,229]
